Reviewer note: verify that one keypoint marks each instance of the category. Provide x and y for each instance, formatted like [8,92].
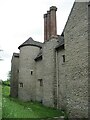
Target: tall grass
[13,108]
[0,101]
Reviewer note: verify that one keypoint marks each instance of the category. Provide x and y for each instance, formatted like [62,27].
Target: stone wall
[27,73]
[14,75]
[52,81]
[89,54]
[61,79]
[49,75]
[76,52]
[39,78]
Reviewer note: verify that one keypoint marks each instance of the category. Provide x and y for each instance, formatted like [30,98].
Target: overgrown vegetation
[7,83]
[13,108]
[0,101]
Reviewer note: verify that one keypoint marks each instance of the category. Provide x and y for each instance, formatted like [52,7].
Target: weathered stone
[55,73]
[14,75]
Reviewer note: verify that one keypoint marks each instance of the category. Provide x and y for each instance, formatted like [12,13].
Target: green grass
[0,101]
[13,108]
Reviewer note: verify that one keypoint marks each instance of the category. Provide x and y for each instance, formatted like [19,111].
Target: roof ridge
[31,42]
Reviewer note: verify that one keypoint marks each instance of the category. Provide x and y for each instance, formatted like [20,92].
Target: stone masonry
[76,51]
[55,72]
[14,75]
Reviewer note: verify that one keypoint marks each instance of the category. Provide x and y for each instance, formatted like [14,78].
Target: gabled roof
[31,42]
[39,56]
[16,54]
[60,42]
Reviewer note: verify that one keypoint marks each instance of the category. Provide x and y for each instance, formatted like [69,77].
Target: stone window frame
[31,71]
[18,71]
[63,56]
[41,82]
[21,85]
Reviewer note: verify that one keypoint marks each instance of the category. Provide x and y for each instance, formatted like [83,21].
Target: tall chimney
[53,25]
[45,27]
[48,25]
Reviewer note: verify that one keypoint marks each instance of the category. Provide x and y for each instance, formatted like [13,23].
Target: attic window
[20,85]
[63,58]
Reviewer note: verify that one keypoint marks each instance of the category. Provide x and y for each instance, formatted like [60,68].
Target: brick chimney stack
[45,27]
[53,25]
[50,25]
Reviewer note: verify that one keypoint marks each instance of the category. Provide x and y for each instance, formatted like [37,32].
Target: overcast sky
[21,19]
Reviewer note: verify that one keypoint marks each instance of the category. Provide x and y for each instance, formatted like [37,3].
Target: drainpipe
[57,78]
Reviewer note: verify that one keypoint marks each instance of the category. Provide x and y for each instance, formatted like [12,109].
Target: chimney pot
[45,15]
[53,8]
[48,12]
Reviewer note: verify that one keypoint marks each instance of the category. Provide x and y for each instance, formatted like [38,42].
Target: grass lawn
[0,101]
[13,108]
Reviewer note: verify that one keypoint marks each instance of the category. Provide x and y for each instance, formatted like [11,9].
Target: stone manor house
[55,72]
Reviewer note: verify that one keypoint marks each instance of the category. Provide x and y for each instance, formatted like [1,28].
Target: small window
[63,58]
[41,82]
[18,71]
[21,85]
[31,72]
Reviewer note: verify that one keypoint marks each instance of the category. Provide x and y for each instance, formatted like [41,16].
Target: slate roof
[16,54]
[89,3]
[60,42]
[31,42]
[39,55]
